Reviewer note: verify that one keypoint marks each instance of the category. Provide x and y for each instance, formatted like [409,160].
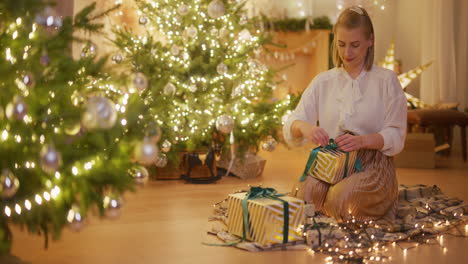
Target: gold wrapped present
[265,218]
[331,165]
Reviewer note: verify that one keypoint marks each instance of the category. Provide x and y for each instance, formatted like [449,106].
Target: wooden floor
[165,222]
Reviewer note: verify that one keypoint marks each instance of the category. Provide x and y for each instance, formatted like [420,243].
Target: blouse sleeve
[394,130]
[306,110]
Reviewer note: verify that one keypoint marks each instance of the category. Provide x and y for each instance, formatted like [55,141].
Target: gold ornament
[166,146]
[146,152]
[169,89]
[89,50]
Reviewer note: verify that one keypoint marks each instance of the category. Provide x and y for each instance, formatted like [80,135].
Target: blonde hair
[351,18]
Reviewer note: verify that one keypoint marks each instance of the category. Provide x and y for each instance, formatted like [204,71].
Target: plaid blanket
[421,209]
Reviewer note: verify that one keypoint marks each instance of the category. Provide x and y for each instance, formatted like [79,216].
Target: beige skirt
[367,195]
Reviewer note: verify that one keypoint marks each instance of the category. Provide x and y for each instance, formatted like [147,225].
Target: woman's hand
[313,133]
[348,142]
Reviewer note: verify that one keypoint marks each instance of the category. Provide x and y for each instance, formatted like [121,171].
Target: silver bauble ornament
[75,219]
[175,50]
[166,146]
[100,113]
[243,20]
[269,144]
[28,80]
[46,17]
[216,9]
[223,33]
[140,174]
[253,64]
[237,91]
[143,20]
[89,50]
[183,10]
[169,89]
[161,160]
[225,124]
[140,82]
[146,152]
[193,88]
[44,60]
[50,158]
[112,205]
[245,35]
[16,109]
[58,22]
[117,58]
[9,184]
[222,68]
[153,134]
[192,31]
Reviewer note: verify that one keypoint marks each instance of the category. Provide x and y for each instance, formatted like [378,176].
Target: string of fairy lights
[252,73]
[164,17]
[52,189]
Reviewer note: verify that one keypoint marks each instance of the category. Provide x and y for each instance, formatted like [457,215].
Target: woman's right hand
[313,133]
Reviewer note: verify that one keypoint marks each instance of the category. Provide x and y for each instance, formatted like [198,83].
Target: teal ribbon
[333,146]
[259,192]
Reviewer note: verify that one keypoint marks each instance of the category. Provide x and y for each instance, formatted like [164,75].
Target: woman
[361,106]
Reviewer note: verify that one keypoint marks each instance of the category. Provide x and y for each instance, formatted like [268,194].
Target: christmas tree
[62,124]
[198,63]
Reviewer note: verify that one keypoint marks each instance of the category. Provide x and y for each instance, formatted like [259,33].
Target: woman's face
[352,45]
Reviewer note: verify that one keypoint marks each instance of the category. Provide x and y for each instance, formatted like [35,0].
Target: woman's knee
[315,191]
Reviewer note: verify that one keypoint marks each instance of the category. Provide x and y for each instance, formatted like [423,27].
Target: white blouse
[374,102]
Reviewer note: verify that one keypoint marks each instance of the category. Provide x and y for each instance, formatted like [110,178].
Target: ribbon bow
[333,146]
[259,192]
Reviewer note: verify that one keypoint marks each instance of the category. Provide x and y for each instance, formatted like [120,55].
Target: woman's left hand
[349,142]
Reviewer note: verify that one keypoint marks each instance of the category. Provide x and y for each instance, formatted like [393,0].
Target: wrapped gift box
[266,218]
[250,166]
[330,164]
